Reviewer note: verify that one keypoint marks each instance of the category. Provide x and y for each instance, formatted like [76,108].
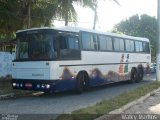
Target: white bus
[68,58]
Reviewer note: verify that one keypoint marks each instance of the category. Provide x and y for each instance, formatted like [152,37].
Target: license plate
[28,85]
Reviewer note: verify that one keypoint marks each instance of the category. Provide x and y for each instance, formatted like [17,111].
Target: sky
[110,13]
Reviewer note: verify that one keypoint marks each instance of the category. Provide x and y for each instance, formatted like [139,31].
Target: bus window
[132,46]
[41,46]
[118,44]
[67,42]
[95,42]
[69,47]
[73,43]
[146,47]
[139,47]
[35,46]
[55,48]
[127,42]
[129,45]
[24,50]
[88,41]
[102,43]
[105,43]
[109,43]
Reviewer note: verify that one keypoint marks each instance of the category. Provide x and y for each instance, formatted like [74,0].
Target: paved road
[65,102]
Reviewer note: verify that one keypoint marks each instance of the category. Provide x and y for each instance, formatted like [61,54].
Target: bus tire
[86,80]
[80,83]
[133,75]
[140,74]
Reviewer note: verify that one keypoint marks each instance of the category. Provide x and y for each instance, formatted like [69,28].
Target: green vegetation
[106,106]
[22,14]
[6,87]
[140,26]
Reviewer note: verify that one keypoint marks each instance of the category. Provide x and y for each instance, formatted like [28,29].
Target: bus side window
[109,43]
[139,47]
[73,43]
[105,43]
[89,42]
[146,47]
[129,45]
[118,44]
[69,48]
[102,42]
[96,47]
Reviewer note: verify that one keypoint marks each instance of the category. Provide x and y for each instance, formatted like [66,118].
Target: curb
[120,110]
[14,95]
[10,95]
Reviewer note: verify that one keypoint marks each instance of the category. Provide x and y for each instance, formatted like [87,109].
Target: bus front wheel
[80,83]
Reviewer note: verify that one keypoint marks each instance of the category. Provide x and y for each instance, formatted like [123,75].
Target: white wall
[6,63]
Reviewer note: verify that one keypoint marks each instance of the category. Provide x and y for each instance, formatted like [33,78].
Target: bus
[71,58]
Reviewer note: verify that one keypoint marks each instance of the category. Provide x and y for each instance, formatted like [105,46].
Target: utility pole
[158,44]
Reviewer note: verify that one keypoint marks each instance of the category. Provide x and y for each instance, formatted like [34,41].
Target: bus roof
[78,29]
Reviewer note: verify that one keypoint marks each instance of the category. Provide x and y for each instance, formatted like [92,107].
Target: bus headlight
[48,86]
[17,84]
[43,86]
[21,85]
[14,84]
[38,86]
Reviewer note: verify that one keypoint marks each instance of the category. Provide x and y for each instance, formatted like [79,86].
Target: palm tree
[26,8]
[36,13]
[66,10]
[94,8]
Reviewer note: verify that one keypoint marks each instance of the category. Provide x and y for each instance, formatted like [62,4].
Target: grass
[6,87]
[106,106]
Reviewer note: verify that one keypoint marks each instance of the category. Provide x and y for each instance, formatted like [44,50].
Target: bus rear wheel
[139,74]
[133,76]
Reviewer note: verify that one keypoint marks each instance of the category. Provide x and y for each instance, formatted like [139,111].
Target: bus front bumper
[37,85]
[43,85]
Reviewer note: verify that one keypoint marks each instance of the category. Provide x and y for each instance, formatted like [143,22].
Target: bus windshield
[35,46]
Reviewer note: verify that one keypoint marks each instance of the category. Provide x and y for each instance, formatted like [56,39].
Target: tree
[22,14]
[140,26]
[66,10]
[7,18]
[94,8]
[14,15]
